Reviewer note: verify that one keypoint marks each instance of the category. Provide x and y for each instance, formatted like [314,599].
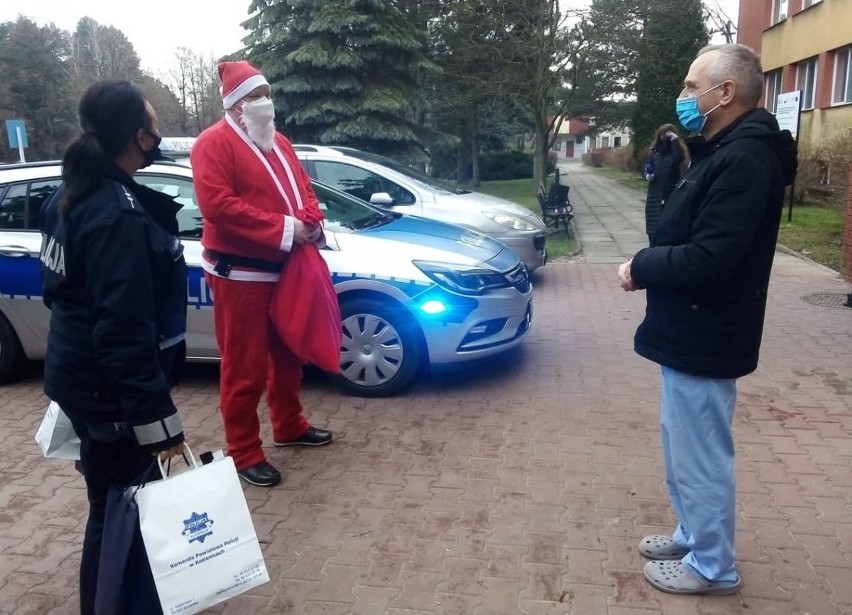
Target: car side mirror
[381,198]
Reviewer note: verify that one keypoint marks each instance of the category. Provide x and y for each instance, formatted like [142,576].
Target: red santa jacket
[244,211]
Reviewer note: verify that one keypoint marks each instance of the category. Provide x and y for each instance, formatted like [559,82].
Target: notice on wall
[787,111]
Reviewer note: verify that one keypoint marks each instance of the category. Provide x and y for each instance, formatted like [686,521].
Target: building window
[806,82]
[779,11]
[604,141]
[579,139]
[809,3]
[617,141]
[773,89]
[558,145]
[842,76]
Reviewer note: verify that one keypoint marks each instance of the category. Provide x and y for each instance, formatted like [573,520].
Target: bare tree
[719,21]
[102,52]
[194,83]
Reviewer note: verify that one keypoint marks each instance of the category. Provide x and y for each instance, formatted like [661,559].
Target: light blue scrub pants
[698,452]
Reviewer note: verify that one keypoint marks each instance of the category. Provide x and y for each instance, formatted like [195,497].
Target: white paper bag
[200,538]
[55,436]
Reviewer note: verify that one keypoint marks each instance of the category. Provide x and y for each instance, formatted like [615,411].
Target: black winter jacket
[114,277]
[665,159]
[707,270]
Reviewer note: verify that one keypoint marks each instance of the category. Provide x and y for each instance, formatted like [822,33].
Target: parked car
[400,188]
[413,293]
[177,149]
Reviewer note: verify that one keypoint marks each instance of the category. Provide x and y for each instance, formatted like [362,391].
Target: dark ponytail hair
[111,112]
[660,135]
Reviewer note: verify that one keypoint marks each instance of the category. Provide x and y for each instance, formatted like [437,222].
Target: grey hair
[739,64]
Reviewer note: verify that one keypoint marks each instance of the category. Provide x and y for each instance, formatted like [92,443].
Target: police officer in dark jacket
[706,274]
[114,278]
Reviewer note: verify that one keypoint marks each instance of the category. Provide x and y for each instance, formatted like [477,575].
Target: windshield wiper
[377,219]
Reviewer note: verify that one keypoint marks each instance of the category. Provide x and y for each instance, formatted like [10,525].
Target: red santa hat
[238,79]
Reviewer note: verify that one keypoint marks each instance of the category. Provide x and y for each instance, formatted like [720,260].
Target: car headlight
[463,279]
[513,222]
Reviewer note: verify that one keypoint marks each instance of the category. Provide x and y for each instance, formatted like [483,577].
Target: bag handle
[165,472]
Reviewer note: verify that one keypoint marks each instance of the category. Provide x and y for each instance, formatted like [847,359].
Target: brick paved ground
[522,486]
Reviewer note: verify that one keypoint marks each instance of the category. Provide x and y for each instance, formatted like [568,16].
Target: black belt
[225,262]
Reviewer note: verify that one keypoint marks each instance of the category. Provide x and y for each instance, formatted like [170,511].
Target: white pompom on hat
[238,79]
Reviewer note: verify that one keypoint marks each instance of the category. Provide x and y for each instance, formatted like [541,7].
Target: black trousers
[108,462]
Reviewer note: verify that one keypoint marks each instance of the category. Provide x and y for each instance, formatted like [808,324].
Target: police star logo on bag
[197,527]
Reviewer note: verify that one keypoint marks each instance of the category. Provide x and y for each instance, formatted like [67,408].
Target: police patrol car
[412,292]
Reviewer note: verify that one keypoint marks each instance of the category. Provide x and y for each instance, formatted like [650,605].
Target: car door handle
[15,251]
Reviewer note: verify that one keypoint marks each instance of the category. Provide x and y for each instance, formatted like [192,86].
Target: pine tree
[345,72]
[674,32]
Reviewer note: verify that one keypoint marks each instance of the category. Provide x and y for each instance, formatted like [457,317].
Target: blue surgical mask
[690,115]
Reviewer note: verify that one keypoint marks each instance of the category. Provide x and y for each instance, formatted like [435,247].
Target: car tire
[381,351]
[12,356]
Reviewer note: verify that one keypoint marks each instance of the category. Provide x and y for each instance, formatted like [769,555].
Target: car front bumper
[500,321]
[530,247]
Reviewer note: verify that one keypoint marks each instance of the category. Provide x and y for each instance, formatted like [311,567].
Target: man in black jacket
[706,275]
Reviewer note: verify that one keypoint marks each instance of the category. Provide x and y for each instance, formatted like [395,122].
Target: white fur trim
[241,90]
[289,234]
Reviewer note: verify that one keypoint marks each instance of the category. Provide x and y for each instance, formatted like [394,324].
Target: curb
[780,247]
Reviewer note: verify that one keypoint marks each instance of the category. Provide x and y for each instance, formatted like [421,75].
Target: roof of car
[339,151]
[25,171]
[320,149]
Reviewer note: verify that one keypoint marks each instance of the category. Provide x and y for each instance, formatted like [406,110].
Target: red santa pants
[253,359]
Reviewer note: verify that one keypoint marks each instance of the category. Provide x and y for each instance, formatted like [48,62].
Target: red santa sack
[304,309]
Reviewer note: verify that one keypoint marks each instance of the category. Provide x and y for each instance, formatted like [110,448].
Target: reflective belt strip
[158,431]
[172,341]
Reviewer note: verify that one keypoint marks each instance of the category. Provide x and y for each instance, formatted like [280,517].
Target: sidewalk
[609,217]
[520,487]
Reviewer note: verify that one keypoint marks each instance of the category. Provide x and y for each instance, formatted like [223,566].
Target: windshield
[344,213]
[411,173]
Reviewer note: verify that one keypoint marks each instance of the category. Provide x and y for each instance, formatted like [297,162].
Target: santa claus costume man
[252,193]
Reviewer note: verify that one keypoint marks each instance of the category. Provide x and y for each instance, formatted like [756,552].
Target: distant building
[574,139]
[804,45]
[618,137]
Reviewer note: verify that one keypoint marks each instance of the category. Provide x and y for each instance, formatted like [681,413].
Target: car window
[22,202]
[182,191]
[360,183]
[427,181]
[39,193]
[345,214]
[13,208]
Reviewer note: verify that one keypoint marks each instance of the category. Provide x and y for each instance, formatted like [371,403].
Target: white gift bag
[199,537]
[55,436]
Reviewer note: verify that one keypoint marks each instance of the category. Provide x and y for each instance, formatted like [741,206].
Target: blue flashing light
[433,307]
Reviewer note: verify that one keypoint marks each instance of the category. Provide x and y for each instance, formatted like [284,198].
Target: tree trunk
[461,162]
[474,150]
[540,149]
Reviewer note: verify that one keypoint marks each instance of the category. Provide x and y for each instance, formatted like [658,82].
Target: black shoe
[261,474]
[312,437]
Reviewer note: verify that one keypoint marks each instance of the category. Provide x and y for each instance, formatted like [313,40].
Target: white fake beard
[261,133]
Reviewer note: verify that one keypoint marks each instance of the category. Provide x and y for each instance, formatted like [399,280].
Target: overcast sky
[155,27]
[158,27]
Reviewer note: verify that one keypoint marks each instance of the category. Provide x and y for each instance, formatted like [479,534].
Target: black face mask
[152,154]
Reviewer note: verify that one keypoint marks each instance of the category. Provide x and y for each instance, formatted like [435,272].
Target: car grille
[519,278]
